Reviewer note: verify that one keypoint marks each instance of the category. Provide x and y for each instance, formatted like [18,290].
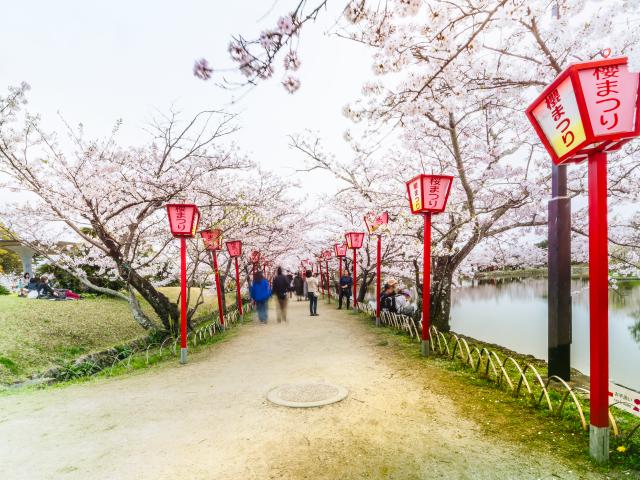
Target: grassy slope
[35,334]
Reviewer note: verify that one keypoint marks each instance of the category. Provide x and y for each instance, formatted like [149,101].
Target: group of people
[396,301]
[283,286]
[40,287]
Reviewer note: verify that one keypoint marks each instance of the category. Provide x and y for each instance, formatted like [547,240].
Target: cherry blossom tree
[454,78]
[111,199]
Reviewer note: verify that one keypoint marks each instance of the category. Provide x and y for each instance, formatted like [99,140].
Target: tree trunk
[364,285]
[223,281]
[137,312]
[442,278]
[166,310]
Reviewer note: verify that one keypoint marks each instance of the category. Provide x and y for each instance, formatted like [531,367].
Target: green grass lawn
[37,334]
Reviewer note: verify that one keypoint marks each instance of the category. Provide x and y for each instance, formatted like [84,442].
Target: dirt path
[210,419]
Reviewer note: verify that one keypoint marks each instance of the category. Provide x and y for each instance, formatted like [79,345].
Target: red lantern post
[234,248]
[327,256]
[320,273]
[428,195]
[213,242]
[375,223]
[341,252]
[590,109]
[354,242]
[183,223]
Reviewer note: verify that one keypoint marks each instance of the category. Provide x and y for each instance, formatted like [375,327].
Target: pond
[513,313]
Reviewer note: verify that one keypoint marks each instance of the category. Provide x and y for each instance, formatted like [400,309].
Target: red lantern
[254,257]
[590,107]
[234,247]
[340,250]
[354,239]
[354,242]
[183,223]
[375,222]
[183,219]
[327,256]
[213,242]
[429,193]
[212,238]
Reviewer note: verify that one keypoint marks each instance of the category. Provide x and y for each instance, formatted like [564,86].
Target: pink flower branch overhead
[255,59]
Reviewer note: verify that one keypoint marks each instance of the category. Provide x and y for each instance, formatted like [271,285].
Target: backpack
[388,303]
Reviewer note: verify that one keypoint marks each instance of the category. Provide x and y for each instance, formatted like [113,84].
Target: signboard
[624,398]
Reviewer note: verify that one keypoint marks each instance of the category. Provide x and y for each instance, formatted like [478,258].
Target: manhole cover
[302,395]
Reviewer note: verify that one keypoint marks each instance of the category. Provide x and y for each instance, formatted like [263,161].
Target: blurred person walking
[281,289]
[260,293]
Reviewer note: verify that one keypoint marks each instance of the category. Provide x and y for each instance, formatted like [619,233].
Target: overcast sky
[96,62]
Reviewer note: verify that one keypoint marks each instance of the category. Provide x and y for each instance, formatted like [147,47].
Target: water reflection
[513,313]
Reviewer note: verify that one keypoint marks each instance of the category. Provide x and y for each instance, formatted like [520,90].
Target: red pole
[321,278]
[340,272]
[183,300]
[426,284]
[598,307]
[214,255]
[378,259]
[239,300]
[326,264]
[355,280]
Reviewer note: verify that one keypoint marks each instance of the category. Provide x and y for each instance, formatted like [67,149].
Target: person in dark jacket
[298,286]
[388,296]
[345,285]
[260,293]
[290,279]
[281,290]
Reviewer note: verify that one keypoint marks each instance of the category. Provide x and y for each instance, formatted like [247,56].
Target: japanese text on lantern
[181,219]
[433,195]
[559,117]
[610,93]
[607,91]
[435,190]
[416,197]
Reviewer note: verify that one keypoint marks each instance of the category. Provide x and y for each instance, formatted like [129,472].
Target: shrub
[4,290]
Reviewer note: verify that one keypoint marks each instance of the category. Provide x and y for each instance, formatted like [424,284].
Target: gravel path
[210,419]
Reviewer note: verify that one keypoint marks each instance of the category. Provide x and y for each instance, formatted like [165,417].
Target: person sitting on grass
[23,283]
[47,292]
